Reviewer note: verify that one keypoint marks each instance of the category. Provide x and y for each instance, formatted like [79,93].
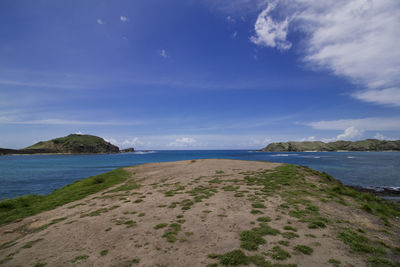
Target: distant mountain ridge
[363,145]
[71,144]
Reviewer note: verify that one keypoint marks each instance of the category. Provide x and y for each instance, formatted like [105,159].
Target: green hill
[74,143]
[363,145]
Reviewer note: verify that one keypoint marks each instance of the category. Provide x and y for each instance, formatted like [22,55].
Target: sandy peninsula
[211,213]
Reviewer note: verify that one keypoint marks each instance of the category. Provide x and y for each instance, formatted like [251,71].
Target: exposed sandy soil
[124,227]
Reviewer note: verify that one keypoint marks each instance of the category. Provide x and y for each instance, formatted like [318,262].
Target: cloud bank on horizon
[356,39]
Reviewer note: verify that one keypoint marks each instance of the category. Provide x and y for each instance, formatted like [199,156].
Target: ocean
[41,174]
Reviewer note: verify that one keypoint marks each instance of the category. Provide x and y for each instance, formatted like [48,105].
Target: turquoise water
[41,174]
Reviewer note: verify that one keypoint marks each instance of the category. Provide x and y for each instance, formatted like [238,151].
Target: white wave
[350,157]
[144,152]
[284,155]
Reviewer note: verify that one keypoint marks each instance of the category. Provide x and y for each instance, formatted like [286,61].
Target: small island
[318,146]
[71,144]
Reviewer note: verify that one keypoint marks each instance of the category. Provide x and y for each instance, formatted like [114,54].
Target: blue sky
[199,74]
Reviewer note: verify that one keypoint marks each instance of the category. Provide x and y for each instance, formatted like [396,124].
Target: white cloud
[99,21]
[357,39]
[270,32]
[380,136]
[365,124]
[183,142]
[163,53]
[310,139]
[350,133]
[234,35]
[390,96]
[123,18]
[130,142]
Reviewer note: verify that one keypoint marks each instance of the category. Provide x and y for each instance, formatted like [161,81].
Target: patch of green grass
[128,186]
[202,192]
[311,235]
[230,188]
[368,202]
[40,264]
[316,224]
[171,233]
[172,205]
[380,262]
[186,204]
[21,207]
[265,229]
[131,262]
[284,243]
[141,214]
[125,221]
[280,254]
[264,219]
[253,211]
[250,240]
[219,172]
[79,258]
[160,225]
[108,229]
[138,200]
[299,213]
[359,243]
[234,258]
[258,205]
[76,205]
[238,194]
[289,235]
[31,243]
[103,252]
[304,249]
[289,228]
[334,262]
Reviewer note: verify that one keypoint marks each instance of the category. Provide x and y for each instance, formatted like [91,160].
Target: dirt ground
[162,224]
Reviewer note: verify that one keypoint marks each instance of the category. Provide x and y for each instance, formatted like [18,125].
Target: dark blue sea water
[41,174]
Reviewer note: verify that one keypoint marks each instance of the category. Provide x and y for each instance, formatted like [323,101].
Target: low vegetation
[20,207]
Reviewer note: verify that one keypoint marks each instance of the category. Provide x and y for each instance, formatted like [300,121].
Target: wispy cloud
[39,84]
[390,96]
[356,39]
[364,124]
[123,18]
[99,21]
[162,53]
[51,121]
